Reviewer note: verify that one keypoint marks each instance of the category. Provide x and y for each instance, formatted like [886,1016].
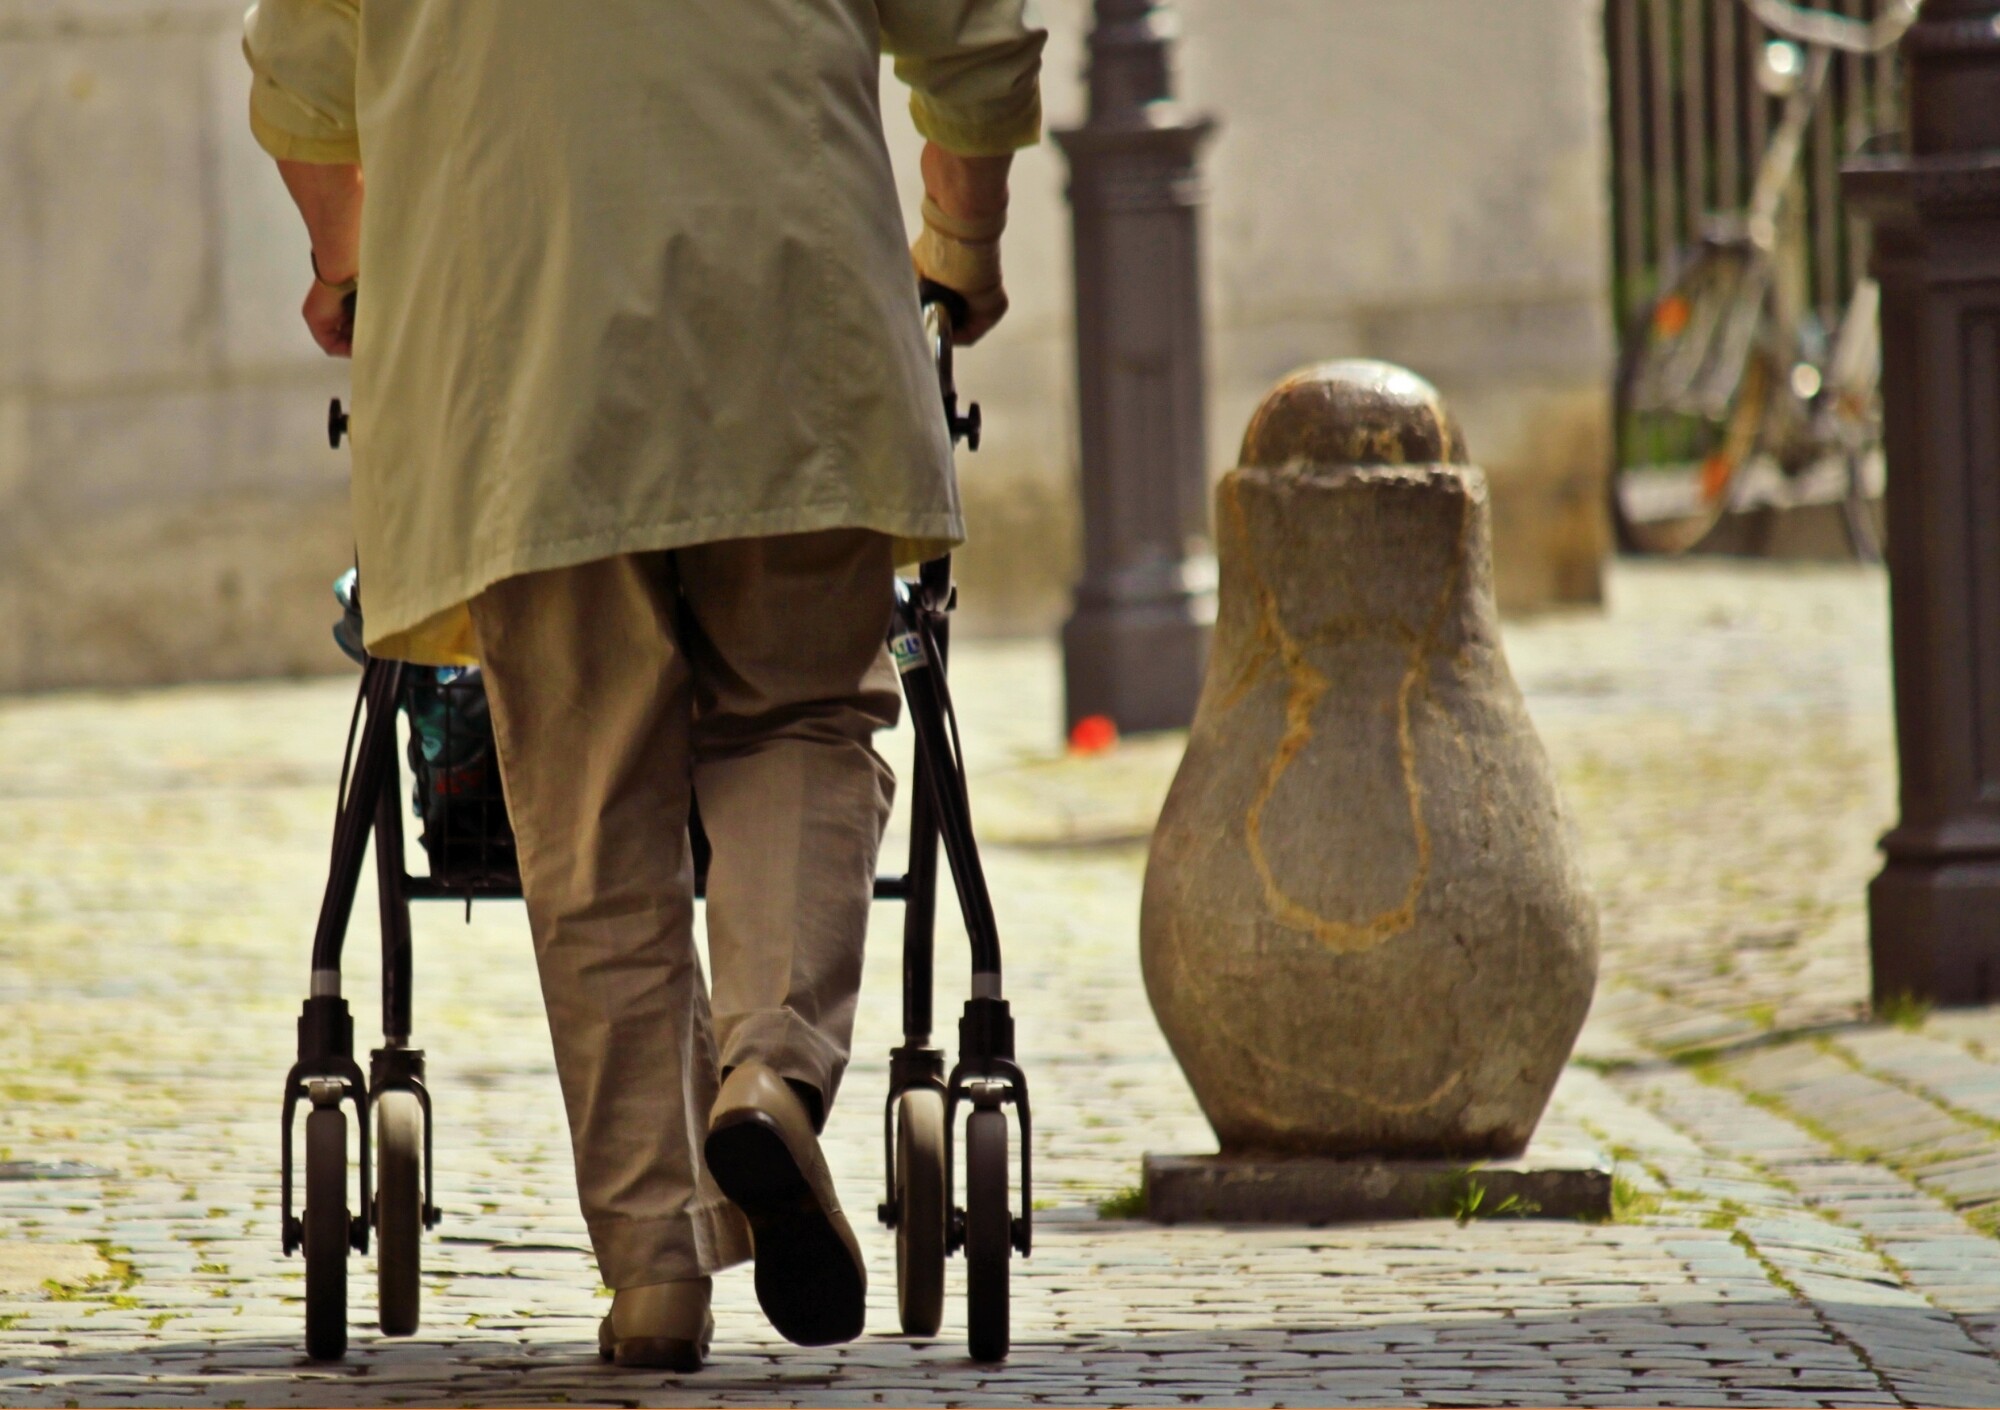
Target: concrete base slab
[1546,1183]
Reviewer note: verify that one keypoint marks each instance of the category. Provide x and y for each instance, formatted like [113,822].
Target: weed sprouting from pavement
[1903,1010]
[1128,1203]
[1605,1066]
[1630,1202]
[1986,1219]
[1464,1197]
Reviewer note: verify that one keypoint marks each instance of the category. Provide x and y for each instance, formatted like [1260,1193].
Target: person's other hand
[329,315]
[329,196]
[965,211]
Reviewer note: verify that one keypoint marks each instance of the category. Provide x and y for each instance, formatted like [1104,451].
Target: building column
[1137,643]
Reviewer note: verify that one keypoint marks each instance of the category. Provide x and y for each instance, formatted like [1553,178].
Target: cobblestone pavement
[1808,1195]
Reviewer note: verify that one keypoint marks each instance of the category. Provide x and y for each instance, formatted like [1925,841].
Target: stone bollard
[1364,931]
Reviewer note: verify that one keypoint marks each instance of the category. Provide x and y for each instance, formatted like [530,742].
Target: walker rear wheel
[920,1211]
[399,1210]
[989,1236]
[326,1234]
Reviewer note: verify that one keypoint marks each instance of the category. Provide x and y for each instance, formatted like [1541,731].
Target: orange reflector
[1671,318]
[1094,734]
[1715,473]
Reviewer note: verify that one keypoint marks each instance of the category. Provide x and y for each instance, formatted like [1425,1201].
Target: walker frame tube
[370,806]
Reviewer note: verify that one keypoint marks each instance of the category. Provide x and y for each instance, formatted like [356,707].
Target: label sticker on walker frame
[908,650]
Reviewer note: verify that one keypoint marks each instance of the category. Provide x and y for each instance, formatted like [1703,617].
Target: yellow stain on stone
[1307,687]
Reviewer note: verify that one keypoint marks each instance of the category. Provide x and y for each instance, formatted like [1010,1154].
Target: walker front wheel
[326,1234]
[399,1210]
[989,1235]
[920,1211]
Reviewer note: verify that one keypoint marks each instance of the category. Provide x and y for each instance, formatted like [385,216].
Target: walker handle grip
[930,292]
[951,311]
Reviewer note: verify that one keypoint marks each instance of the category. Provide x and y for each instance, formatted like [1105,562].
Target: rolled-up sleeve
[301,54]
[974,68]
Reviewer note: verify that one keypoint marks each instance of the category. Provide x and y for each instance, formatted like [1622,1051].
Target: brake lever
[949,309]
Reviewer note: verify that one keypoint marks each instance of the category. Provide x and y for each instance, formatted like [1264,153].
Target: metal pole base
[1140,666]
[1935,909]
[1935,931]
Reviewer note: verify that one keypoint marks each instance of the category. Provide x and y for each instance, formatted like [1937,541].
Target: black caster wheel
[399,1210]
[326,1234]
[920,1211]
[989,1238]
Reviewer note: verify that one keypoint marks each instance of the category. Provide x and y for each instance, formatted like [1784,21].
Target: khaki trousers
[755,672]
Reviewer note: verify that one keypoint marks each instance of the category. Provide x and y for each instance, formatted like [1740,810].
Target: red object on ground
[1094,734]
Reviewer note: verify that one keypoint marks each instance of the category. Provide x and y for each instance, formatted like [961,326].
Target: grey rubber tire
[399,1210]
[920,1211]
[989,1235]
[326,1234]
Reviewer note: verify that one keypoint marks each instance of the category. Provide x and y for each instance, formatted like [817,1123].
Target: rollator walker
[470,847]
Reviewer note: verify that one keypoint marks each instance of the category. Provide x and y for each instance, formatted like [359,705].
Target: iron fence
[1690,123]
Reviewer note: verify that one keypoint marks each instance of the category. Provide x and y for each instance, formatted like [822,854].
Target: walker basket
[455,781]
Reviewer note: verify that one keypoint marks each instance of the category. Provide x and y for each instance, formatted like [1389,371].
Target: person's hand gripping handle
[965,213]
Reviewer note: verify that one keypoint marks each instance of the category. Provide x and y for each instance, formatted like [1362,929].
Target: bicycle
[1727,369]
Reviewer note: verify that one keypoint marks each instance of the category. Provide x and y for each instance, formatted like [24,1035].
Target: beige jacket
[633,271]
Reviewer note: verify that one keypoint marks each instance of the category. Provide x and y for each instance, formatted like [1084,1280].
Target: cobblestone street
[1808,1200]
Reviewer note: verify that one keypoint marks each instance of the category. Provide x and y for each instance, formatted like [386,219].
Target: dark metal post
[1934,911]
[1137,643]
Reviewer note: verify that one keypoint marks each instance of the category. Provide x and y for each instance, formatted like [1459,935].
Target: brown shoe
[762,1152]
[664,1326]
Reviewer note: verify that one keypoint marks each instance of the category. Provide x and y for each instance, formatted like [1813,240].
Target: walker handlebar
[930,292]
[944,310]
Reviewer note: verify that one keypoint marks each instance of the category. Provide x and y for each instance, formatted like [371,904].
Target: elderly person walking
[643,422]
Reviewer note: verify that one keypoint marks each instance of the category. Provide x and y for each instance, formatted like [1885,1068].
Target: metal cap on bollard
[1353,412]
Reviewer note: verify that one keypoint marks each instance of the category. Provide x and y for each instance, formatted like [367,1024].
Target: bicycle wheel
[1865,510]
[920,1211]
[399,1211]
[326,1234]
[1854,416]
[989,1236]
[1693,396]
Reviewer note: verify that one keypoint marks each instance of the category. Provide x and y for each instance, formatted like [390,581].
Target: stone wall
[1413,179]
[166,509]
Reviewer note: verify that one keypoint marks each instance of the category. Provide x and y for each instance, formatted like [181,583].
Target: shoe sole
[655,1354]
[810,1283]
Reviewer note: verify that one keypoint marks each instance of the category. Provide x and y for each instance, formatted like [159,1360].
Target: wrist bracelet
[346,286]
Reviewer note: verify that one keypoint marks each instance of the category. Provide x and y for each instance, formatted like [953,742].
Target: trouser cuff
[788,1045]
[633,1253]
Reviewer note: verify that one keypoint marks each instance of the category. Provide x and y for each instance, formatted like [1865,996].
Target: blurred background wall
[167,510]
[1417,180]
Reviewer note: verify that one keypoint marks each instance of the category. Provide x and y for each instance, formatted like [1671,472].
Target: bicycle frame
[1729,367]
[1757,235]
